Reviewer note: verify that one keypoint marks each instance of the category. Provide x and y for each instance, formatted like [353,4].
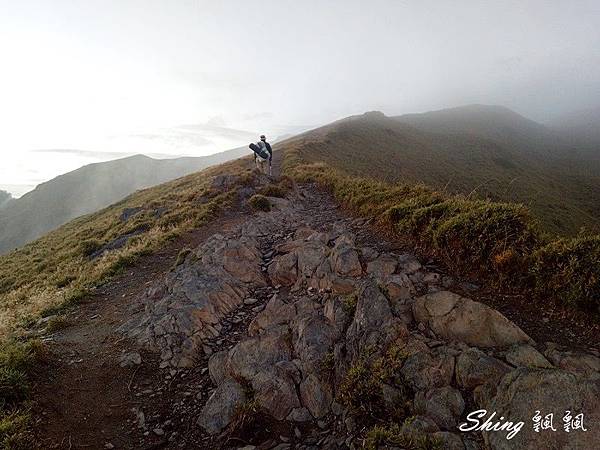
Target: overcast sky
[122,76]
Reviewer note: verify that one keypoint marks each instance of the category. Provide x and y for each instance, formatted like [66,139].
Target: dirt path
[85,399]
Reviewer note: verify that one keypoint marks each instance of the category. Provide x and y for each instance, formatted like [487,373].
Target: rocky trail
[266,333]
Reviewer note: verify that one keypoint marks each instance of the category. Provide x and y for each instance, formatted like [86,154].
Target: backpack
[260,149]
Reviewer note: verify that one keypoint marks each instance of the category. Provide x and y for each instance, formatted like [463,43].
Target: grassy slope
[90,188]
[57,268]
[495,240]
[390,150]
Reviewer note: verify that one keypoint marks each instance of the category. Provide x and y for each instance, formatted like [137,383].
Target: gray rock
[449,441]
[399,287]
[299,415]
[426,370]
[444,405]
[524,355]
[259,354]
[185,309]
[275,392]
[216,367]
[220,407]
[572,361]
[419,425]
[524,391]
[316,396]
[408,264]
[368,254]
[453,317]
[310,256]
[337,313]
[344,260]
[474,368]
[374,326]
[284,269]
[130,359]
[313,337]
[382,267]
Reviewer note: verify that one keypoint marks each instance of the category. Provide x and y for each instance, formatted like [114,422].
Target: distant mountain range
[582,128]
[89,189]
[487,151]
[5,198]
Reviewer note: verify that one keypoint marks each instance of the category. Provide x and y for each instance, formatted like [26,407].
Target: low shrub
[501,242]
[89,247]
[381,436]
[57,323]
[569,269]
[259,202]
[273,190]
[362,390]
[15,430]
[16,359]
[183,253]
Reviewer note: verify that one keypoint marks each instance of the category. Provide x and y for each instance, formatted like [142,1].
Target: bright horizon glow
[122,76]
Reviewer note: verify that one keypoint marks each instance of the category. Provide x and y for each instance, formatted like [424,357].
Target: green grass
[501,242]
[16,360]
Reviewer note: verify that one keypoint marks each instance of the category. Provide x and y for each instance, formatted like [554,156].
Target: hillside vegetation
[464,156]
[88,189]
[499,241]
[60,268]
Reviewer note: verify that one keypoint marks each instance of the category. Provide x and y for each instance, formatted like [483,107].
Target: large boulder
[474,368]
[374,326]
[344,259]
[524,355]
[425,370]
[453,317]
[221,406]
[524,392]
[382,267]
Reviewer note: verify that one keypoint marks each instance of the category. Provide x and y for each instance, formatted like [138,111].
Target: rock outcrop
[320,309]
[453,317]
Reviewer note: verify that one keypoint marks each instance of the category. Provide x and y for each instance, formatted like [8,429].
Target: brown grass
[501,242]
[59,269]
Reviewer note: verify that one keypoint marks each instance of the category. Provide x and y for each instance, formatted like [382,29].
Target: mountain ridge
[89,188]
[478,157]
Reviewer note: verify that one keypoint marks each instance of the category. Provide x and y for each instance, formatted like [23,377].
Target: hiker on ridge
[264,154]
